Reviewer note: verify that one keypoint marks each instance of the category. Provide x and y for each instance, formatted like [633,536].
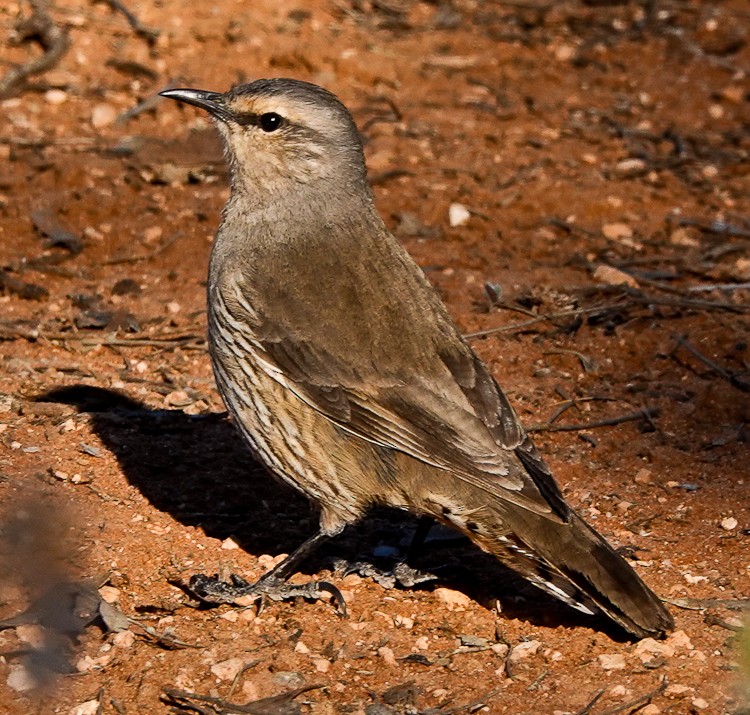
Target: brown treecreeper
[347,377]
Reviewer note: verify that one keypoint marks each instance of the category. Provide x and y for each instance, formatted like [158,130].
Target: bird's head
[283,133]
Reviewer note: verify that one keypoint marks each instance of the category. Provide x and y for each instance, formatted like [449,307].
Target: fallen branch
[586,709]
[639,701]
[145,256]
[574,312]
[701,604]
[732,378]
[187,702]
[711,619]
[186,341]
[147,33]
[645,414]
[53,40]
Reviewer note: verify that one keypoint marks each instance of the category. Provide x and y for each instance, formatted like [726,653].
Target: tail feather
[574,563]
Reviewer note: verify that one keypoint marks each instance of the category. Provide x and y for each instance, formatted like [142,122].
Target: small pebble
[614,277]
[289,678]
[700,703]
[153,234]
[227,669]
[453,599]
[110,594]
[90,707]
[648,648]
[351,580]
[628,168]
[178,398]
[564,53]
[229,544]
[679,639]
[87,663]
[55,96]
[19,679]
[386,654]
[650,709]
[677,689]
[103,115]
[684,237]
[322,665]
[124,639]
[524,650]
[729,523]
[692,580]
[500,649]
[643,476]
[615,231]
[404,622]
[611,661]
[458,215]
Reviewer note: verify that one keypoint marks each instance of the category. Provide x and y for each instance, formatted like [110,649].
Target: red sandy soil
[601,149]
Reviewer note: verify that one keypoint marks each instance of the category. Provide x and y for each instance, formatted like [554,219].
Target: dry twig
[147,33]
[645,414]
[53,40]
[639,701]
[732,378]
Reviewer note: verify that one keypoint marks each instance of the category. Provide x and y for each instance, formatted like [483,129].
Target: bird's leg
[400,573]
[424,524]
[272,585]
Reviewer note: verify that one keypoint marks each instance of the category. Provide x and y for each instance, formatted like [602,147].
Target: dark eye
[270,121]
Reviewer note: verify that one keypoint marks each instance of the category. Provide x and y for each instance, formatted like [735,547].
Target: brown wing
[436,402]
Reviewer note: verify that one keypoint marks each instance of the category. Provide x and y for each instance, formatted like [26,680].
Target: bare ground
[601,149]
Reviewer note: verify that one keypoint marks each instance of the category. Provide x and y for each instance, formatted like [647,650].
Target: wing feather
[448,412]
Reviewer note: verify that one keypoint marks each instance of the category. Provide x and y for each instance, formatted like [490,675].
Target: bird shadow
[197,469]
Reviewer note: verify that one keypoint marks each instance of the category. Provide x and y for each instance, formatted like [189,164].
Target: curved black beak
[212,102]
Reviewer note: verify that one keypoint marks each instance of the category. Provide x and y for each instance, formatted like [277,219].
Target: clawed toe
[210,589]
[401,574]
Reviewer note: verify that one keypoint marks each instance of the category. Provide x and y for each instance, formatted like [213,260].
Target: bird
[347,377]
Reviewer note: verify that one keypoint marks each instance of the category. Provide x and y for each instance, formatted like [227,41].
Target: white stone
[90,707]
[458,215]
[524,650]
[729,523]
[102,115]
[453,599]
[322,665]
[677,689]
[124,639]
[387,655]
[110,594]
[679,639]
[615,231]
[611,661]
[614,276]
[19,679]
[55,96]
